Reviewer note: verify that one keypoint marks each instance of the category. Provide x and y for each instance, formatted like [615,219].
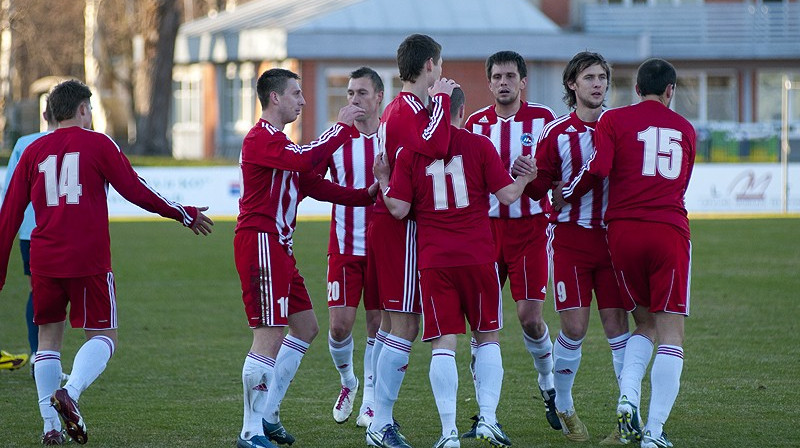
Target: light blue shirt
[30,221]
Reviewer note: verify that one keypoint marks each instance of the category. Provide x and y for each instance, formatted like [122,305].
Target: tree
[152,85]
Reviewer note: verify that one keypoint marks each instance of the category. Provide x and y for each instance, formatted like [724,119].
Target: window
[769,93]
[622,92]
[722,98]
[186,96]
[238,97]
[687,97]
[706,97]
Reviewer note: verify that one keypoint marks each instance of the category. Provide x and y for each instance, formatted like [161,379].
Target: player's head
[586,79]
[69,100]
[280,89]
[507,76]
[656,77]
[365,90]
[419,55]
[457,100]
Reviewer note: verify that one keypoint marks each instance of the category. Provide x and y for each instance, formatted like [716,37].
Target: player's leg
[536,336]
[670,305]
[340,346]
[443,376]
[567,354]
[392,365]
[48,372]
[366,412]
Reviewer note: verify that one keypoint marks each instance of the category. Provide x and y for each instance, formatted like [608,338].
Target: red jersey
[647,152]
[450,199]
[65,175]
[565,146]
[512,137]
[271,183]
[351,166]
[407,124]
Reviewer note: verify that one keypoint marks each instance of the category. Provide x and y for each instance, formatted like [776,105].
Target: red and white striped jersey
[351,166]
[513,136]
[270,168]
[564,147]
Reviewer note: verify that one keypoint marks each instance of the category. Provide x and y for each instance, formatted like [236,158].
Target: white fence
[715,188]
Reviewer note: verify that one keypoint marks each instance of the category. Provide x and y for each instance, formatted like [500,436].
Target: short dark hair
[66,96]
[273,80]
[579,63]
[501,57]
[457,99]
[654,75]
[412,54]
[366,72]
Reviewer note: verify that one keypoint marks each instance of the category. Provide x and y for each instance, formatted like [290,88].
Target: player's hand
[348,114]
[524,166]
[202,223]
[373,190]
[380,168]
[558,196]
[442,85]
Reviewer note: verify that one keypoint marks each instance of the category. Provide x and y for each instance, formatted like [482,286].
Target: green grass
[176,377]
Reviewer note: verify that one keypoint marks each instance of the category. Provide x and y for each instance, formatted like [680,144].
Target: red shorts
[581,263]
[392,262]
[450,294]
[272,287]
[653,264]
[346,279]
[92,301]
[521,249]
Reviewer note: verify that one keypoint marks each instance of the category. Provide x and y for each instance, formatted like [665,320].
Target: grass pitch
[176,377]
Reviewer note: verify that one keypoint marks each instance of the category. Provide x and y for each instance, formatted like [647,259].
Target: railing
[700,31]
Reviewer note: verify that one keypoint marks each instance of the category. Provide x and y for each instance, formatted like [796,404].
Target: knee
[532,325]
[573,330]
[339,332]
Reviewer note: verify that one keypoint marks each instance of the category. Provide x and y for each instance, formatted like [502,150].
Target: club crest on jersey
[526,139]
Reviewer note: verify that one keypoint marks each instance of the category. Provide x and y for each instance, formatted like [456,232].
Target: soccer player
[65,175]
[647,151]
[408,124]
[458,272]
[351,166]
[275,175]
[577,244]
[27,227]
[514,126]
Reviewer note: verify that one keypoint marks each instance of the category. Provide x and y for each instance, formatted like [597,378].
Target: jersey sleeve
[12,213]
[599,164]
[314,185]
[432,133]
[400,183]
[116,168]
[281,153]
[495,173]
[547,167]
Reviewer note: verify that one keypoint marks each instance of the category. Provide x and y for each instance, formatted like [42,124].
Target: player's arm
[433,132]
[510,193]
[499,182]
[596,168]
[11,215]
[543,166]
[399,208]
[116,168]
[283,154]
[314,185]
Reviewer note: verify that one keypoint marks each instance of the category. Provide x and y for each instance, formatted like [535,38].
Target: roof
[372,29]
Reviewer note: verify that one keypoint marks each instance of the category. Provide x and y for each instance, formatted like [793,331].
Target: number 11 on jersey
[66,183]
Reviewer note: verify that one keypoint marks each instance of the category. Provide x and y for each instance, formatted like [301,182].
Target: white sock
[444,383]
[489,377]
[380,337]
[286,364]
[617,345]
[473,348]
[638,351]
[542,352]
[342,355]
[367,400]
[566,361]
[665,382]
[392,365]
[256,372]
[89,363]
[47,370]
